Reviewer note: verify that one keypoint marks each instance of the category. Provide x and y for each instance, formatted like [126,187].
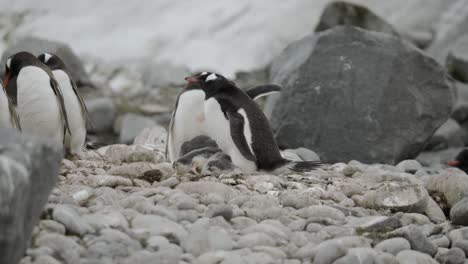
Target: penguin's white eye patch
[211,77]
[8,63]
[203,73]
[47,57]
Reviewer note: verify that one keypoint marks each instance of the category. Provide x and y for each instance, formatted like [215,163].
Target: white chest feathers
[37,105]
[5,117]
[76,117]
[218,128]
[188,121]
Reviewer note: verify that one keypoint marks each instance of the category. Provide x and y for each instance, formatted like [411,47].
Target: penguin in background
[8,115]
[37,97]
[77,112]
[188,116]
[239,127]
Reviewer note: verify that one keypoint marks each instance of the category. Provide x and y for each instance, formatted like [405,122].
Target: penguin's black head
[461,161]
[16,62]
[52,61]
[208,81]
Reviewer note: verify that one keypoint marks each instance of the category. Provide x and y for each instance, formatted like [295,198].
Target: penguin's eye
[211,77]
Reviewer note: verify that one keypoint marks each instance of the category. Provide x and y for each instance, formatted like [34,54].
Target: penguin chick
[219,163]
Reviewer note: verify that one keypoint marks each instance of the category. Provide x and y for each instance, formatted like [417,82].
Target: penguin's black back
[264,146]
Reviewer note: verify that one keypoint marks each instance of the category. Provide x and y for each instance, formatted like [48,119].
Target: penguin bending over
[188,117]
[75,107]
[8,115]
[37,97]
[240,128]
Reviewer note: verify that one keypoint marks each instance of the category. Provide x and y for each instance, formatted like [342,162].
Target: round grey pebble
[393,245]
[451,256]
[223,210]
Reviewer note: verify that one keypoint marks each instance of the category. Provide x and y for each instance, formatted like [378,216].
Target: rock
[28,169]
[255,239]
[459,114]
[102,112]
[459,238]
[163,257]
[158,225]
[46,260]
[459,212]
[452,256]
[333,249]
[170,182]
[457,60]
[160,75]
[133,153]
[398,198]
[306,154]
[416,238]
[451,183]
[393,245]
[205,187]
[71,219]
[131,126]
[52,226]
[223,210]
[364,255]
[321,212]
[449,30]
[108,181]
[434,212]
[450,134]
[303,69]
[106,219]
[64,249]
[155,137]
[278,232]
[414,257]
[409,166]
[440,240]
[204,238]
[345,13]
[39,45]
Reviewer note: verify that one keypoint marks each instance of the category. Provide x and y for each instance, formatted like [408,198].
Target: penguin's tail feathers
[304,166]
[93,145]
[289,166]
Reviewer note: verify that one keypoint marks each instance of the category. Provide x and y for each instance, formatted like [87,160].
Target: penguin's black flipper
[55,86]
[262,90]
[236,123]
[14,118]
[80,99]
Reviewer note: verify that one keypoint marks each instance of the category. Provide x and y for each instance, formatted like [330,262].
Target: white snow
[222,36]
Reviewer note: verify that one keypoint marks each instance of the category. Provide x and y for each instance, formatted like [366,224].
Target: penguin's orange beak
[192,79]
[7,78]
[453,163]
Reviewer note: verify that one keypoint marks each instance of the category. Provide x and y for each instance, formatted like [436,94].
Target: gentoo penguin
[461,161]
[8,116]
[188,116]
[38,98]
[239,127]
[74,104]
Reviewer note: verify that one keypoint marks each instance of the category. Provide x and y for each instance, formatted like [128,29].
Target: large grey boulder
[28,171]
[345,13]
[355,94]
[38,45]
